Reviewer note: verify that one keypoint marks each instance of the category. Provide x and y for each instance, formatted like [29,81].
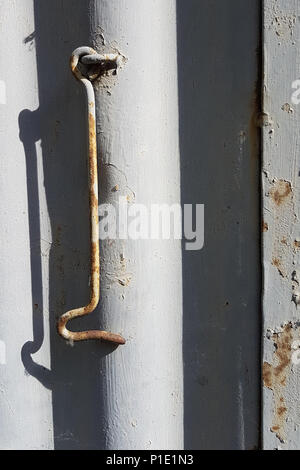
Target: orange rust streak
[99,335]
[94,257]
[281,191]
[267,375]
[275,377]
[265,227]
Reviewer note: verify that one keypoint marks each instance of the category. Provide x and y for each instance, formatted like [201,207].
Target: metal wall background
[218,70]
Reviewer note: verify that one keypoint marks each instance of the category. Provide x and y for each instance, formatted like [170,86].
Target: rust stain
[275,378]
[93,171]
[92,148]
[267,375]
[93,200]
[277,263]
[94,258]
[297,244]
[281,410]
[282,198]
[265,227]
[92,126]
[281,191]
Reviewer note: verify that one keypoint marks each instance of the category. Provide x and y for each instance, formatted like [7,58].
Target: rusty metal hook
[94,217]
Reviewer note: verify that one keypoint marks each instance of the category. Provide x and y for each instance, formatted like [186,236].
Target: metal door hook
[86,55]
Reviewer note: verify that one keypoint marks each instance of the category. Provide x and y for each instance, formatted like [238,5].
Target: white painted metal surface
[25,404]
[281,373]
[141,280]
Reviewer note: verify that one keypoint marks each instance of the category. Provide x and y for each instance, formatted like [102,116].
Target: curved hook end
[75,57]
[86,335]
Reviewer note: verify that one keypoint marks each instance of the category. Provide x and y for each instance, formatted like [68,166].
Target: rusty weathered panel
[281,228]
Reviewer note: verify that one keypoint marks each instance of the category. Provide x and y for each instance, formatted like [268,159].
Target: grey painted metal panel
[89,396]
[25,405]
[101,397]
[281,418]
[50,390]
[218,65]
[60,123]
[141,280]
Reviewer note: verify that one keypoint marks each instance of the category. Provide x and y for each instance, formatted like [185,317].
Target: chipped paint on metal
[281,227]
[275,377]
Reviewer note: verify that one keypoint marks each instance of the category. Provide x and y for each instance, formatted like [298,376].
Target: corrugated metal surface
[60,393]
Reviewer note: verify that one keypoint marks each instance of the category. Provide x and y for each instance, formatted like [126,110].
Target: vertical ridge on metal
[91,57]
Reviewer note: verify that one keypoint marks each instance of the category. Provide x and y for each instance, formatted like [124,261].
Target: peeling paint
[275,378]
[287,108]
[281,192]
[277,263]
[281,195]
[282,23]
[265,227]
